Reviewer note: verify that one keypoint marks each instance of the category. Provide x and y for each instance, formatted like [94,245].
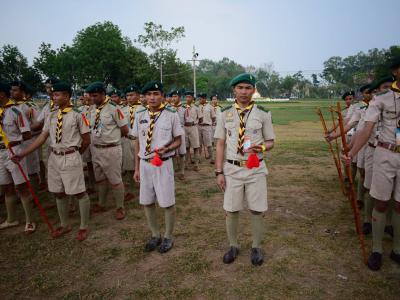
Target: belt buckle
[242,163]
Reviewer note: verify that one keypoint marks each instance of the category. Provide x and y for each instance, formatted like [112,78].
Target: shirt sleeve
[267,128]
[374,110]
[355,117]
[220,132]
[83,123]
[46,126]
[22,121]
[41,116]
[135,129]
[177,129]
[119,117]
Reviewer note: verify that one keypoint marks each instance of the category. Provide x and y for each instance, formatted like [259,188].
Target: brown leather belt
[63,152]
[162,158]
[204,124]
[389,146]
[106,145]
[189,124]
[371,145]
[240,163]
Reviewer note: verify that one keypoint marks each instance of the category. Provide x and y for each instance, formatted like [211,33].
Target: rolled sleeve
[268,129]
[177,129]
[220,132]
[373,111]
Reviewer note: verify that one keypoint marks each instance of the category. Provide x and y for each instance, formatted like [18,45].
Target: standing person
[68,130]
[14,129]
[181,152]
[217,110]
[244,132]
[206,118]
[108,125]
[158,135]
[191,131]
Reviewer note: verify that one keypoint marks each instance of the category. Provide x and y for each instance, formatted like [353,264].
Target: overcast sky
[293,35]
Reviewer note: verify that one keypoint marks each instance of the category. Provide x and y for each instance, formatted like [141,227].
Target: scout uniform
[192,139]
[106,149]
[65,166]
[154,130]
[240,128]
[217,110]
[13,123]
[206,117]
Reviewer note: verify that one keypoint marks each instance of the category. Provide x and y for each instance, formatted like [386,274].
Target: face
[176,99]
[202,100]
[143,100]
[385,86]
[87,99]
[61,98]
[366,95]
[132,97]
[349,99]
[115,98]
[48,87]
[243,92]
[396,73]
[189,99]
[17,93]
[96,98]
[3,97]
[214,100]
[154,98]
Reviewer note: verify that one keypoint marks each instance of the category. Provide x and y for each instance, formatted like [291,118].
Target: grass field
[311,248]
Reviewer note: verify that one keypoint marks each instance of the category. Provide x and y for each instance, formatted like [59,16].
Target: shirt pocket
[390,117]
[164,130]
[231,130]
[107,119]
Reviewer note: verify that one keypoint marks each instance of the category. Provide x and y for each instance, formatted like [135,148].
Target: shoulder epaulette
[170,108]
[31,104]
[76,109]
[112,103]
[382,93]
[16,110]
[262,108]
[141,110]
[196,105]
[226,108]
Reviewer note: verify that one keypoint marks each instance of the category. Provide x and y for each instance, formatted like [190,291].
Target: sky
[292,35]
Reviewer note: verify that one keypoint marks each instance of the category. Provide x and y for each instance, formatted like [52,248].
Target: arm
[39,141]
[361,138]
[85,142]
[136,175]
[124,130]
[219,161]
[26,135]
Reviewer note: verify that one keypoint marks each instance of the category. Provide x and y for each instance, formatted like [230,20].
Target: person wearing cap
[69,134]
[386,165]
[158,135]
[206,118]
[181,152]
[128,142]
[191,131]
[217,110]
[115,95]
[14,129]
[244,132]
[108,125]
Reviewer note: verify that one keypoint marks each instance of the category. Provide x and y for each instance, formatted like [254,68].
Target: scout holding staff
[181,151]
[68,130]
[245,131]
[386,176]
[217,110]
[158,135]
[108,125]
[206,118]
[191,131]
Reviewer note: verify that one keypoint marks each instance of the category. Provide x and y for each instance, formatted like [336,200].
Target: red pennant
[156,160]
[252,161]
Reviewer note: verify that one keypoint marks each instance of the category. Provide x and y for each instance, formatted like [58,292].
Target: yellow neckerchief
[395,87]
[60,114]
[153,119]
[242,126]
[51,104]
[98,111]
[178,105]
[3,108]
[132,112]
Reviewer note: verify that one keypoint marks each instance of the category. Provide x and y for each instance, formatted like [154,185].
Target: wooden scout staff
[351,192]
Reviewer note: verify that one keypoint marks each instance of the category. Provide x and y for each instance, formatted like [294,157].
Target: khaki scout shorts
[360,157]
[65,173]
[205,135]
[9,172]
[157,184]
[128,154]
[107,163]
[33,159]
[386,175]
[192,137]
[368,165]
[245,185]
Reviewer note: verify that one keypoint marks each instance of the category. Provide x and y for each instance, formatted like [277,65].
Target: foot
[30,228]
[166,245]
[212,162]
[395,257]
[367,228]
[97,208]
[257,256]
[7,224]
[60,231]
[181,177]
[82,235]
[152,244]
[389,230]
[196,168]
[129,197]
[375,261]
[230,256]
[120,214]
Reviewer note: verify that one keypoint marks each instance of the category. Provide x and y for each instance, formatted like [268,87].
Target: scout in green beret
[181,151]
[191,129]
[217,109]
[115,96]
[207,117]
[244,133]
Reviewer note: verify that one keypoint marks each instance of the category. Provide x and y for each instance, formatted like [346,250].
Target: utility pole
[194,60]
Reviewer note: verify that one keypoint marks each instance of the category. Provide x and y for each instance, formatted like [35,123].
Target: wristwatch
[218,172]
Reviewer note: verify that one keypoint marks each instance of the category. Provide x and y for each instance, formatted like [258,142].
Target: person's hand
[16,158]
[329,137]
[346,158]
[162,150]
[136,176]
[255,148]
[221,182]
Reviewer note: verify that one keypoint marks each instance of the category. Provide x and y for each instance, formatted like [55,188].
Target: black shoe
[375,261]
[230,256]
[367,228]
[360,204]
[395,257]
[389,230]
[152,244]
[166,245]
[257,257]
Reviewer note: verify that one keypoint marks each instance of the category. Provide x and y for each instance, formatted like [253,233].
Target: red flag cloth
[156,161]
[252,161]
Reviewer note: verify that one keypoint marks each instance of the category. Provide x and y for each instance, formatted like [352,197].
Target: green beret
[213,95]
[19,84]
[84,87]
[5,88]
[153,86]
[244,77]
[131,88]
[115,91]
[202,95]
[95,87]
[52,80]
[62,86]
[189,93]
[175,92]
[365,87]
[350,93]
[384,80]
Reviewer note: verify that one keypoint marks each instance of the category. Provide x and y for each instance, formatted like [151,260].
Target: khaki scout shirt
[207,113]
[166,128]
[108,130]
[217,111]
[45,111]
[387,106]
[73,126]
[14,124]
[181,113]
[192,114]
[258,129]
[31,111]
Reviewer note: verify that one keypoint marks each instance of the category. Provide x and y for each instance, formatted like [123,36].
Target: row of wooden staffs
[336,151]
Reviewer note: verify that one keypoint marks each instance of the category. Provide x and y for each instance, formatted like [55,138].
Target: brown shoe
[120,214]
[82,235]
[196,168]
[97,208]
[60,231]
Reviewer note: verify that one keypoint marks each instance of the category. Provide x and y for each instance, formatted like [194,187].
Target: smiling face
[243,92]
